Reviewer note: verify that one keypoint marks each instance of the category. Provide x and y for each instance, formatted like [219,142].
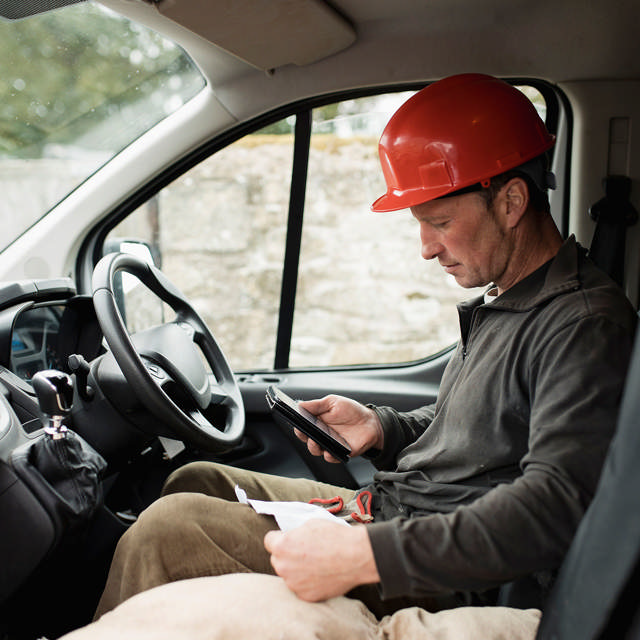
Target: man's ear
[516,194]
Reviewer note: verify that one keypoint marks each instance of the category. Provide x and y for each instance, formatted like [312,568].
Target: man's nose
[430,247]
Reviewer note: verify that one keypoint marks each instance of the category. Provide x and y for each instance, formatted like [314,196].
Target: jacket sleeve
[400,429]
[527,525]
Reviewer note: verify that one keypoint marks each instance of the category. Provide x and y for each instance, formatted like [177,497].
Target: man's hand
[320,560]
[357,424]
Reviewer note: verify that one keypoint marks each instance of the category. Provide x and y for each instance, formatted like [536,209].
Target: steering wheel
[166,357]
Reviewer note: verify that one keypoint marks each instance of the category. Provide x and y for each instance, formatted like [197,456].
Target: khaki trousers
[197,528]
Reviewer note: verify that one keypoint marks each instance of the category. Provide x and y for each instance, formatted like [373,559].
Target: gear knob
[54,390]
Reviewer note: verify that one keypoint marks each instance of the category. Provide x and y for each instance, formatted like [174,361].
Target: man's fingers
[300,435]
[271,539]
[329,458]
[317,406]
[314,448]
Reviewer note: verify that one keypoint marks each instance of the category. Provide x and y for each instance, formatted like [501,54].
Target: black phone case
[288,417]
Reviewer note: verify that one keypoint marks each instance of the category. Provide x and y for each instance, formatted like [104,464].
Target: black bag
[64,473]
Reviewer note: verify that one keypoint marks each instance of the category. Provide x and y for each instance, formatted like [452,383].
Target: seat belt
[613,214]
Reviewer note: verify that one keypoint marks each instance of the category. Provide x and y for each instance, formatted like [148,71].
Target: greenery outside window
[98,100]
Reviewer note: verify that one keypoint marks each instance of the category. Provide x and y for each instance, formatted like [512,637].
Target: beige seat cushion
[255,606]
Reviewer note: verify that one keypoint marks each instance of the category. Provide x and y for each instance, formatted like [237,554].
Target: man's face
[466,238]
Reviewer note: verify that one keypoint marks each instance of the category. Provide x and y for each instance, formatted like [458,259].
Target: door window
[365,296]
[355,289]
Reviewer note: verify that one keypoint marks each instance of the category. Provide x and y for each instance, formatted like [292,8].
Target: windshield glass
[77,85]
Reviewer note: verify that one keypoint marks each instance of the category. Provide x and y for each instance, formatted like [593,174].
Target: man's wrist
[376,427]
[367,570]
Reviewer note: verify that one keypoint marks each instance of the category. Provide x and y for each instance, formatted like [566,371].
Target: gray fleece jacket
[489,484]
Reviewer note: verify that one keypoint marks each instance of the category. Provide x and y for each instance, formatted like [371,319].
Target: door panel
[403,387]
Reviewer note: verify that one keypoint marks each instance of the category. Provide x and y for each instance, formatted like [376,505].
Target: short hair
[538,199]
[537,176]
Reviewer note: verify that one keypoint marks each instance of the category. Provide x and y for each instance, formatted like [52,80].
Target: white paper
[288,515]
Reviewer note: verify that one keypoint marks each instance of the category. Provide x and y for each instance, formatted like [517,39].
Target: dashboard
[42,323]
[35,341]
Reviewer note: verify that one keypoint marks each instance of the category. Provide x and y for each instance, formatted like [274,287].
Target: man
[486,486]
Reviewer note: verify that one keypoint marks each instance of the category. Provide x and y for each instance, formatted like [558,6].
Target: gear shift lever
[54,390]
[61,467]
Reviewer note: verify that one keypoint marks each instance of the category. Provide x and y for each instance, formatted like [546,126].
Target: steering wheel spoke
[219,394]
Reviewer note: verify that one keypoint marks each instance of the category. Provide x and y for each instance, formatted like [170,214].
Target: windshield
[77,85]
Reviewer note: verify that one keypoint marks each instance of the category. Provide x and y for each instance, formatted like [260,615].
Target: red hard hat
[454,133]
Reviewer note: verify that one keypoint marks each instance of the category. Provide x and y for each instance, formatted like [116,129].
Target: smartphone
[287,412]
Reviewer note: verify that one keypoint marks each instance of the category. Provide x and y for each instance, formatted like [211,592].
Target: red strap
[337,502]
[365,509]
[364,506]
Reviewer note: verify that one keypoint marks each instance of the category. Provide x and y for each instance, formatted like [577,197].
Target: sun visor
[264,34]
